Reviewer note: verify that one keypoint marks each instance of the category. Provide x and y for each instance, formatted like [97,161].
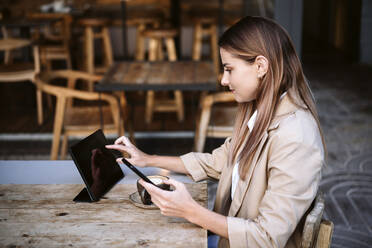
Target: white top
[235,173]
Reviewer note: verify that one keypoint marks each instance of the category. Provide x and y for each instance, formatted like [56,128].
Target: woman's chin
[238,99]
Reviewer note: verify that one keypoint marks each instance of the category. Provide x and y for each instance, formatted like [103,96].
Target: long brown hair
[247,39]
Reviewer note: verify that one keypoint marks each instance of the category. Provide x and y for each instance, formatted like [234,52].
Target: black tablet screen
[96,164]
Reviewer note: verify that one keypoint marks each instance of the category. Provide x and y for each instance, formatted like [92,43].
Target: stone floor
[343,95]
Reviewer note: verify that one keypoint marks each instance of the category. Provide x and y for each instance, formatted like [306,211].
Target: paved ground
[343,94]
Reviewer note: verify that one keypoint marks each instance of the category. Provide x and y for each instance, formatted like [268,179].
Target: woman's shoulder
[298,126]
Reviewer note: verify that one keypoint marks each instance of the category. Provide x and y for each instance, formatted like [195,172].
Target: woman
[269,170]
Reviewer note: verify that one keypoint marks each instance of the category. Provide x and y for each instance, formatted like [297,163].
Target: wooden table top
[180,75]
[45,216]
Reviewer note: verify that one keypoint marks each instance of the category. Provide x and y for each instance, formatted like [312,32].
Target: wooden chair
[317,232]
[7,52]
[22,71]
[156,36]
[216,119]
[54,40]
[79,120]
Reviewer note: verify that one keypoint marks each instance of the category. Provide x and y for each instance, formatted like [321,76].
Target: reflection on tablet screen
[96,164]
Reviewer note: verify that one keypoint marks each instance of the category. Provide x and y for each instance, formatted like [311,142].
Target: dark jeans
[213,241]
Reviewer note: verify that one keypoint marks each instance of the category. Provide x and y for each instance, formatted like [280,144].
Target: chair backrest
[63,94]
[325,234]
[203,127]
[316,232]
[60,28]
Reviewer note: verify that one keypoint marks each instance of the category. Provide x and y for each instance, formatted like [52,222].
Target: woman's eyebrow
[225,64]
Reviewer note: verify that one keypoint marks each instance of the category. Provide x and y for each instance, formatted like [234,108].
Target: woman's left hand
[177,203]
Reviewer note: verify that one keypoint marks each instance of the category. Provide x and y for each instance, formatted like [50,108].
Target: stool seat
[136,21]
[94,22]
[159,33]
[204,19]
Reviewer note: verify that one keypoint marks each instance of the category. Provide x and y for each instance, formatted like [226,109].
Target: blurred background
[332,37]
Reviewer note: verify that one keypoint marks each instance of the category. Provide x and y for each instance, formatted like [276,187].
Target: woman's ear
[262,65]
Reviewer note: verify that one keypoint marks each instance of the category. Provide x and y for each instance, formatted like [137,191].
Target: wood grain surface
[165,75]
[46,216]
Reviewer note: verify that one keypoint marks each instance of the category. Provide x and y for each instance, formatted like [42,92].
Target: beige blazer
[281,183]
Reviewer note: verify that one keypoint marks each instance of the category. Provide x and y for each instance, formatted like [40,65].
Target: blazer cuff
[193,167]
[236,231]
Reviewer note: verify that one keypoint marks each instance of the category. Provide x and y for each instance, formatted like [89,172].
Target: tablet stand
[83,196]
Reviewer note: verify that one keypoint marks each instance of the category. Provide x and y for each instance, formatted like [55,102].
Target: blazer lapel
[243,185]
[224,189]
[285,108]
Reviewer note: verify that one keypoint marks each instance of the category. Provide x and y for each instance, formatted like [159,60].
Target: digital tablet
[97,166]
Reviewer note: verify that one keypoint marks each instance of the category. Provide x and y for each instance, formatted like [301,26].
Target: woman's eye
[227,69]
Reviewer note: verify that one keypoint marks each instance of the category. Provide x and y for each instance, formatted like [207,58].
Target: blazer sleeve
[294,171]
[203,165]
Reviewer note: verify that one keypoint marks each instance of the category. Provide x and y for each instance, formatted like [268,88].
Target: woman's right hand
[137,157]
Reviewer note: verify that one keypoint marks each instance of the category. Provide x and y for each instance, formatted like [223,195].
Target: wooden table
[44,215]
[180,75]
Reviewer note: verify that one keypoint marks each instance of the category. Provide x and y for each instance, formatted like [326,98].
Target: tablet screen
[96,164]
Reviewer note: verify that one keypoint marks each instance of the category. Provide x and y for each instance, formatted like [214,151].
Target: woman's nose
[224,81]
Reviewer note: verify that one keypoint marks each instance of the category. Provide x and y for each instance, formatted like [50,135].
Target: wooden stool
[207,27]
[142,24]
[96,29]
[156,36]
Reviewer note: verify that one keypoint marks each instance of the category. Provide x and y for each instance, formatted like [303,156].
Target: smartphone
[134,169]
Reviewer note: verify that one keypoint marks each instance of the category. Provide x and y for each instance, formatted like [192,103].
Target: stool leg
[153,46]
[179,103]
[172,56]
[197,44]
[153,52]
[171,49]
[149,106]
[89,50]
[160,53]
[123,111]
[140,46]
[214,49]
